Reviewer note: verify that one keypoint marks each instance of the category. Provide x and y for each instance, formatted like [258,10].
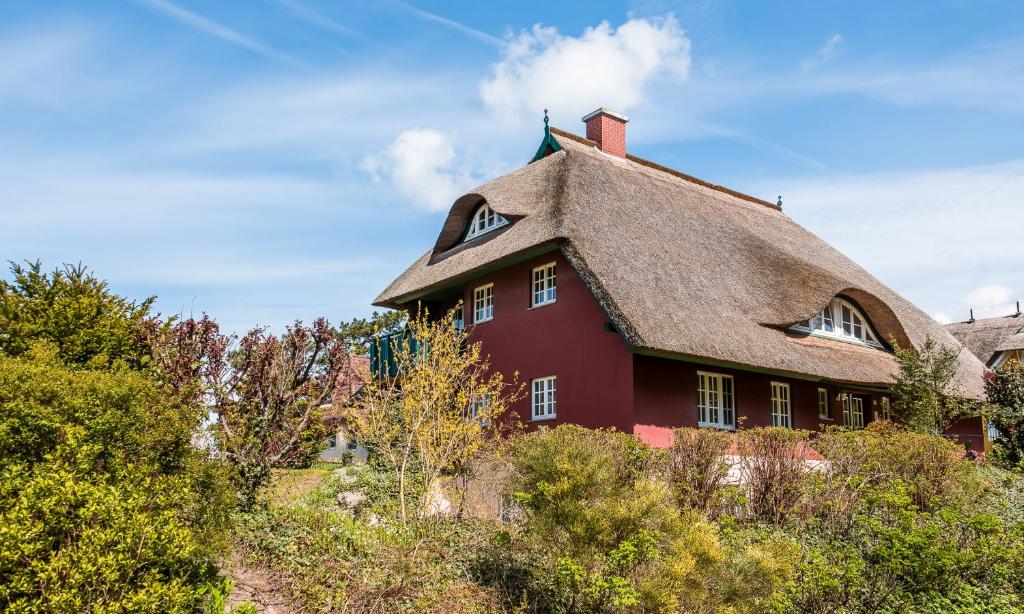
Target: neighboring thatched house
[340,445]
[633,296]
[995,341]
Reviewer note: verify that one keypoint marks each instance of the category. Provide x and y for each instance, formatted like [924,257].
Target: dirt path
[258,587]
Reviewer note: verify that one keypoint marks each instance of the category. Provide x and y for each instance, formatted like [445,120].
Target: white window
[841,320]
[484,221]
[483,303]
[853,411]
[543,285]
[824,408]
[886,409]
[543,398]
[332,441]
[715,404]
[781,411]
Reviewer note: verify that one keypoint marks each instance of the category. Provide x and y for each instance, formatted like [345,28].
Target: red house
[634,296]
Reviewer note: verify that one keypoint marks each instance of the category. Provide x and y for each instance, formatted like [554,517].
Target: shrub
[74,311]
[1005,388]
[697,468]
[905,523]
[105,505]
[774,470]
[601,531]
[929,467]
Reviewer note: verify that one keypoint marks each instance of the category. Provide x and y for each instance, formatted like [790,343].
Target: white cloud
[934,234]
[826,53]
[941,318]
[605,66]
[419,165]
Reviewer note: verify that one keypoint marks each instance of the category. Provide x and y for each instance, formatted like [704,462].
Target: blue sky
[269,160]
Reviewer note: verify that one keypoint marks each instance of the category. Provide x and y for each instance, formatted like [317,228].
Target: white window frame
[782,405]
[484,221]
[716,400]
[853,419]
[832,323]
[543,398]
[543,288]
[824,404]
[886,409]
[483,303]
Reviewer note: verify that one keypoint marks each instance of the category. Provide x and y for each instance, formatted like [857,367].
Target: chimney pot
[608,130]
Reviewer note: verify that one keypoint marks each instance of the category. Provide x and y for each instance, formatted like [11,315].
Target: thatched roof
[682,267]
[988,336]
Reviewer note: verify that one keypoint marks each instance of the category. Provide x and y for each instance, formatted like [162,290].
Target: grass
[290,485]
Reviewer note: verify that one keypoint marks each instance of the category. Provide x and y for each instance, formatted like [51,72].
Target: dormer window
[484,221]
[841,320]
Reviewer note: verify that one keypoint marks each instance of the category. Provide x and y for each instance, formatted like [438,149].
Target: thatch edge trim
[493,265]
[623,327]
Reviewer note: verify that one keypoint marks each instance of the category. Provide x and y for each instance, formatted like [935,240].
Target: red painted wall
[566,339]
[665,393]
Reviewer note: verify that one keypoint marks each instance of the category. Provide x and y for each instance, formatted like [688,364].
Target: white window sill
[483,321]
[820,417]
[542,418]
[539,305]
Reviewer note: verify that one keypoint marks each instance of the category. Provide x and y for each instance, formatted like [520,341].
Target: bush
[1005,389]
[105,504]
[904,523]
[932,469]
[601,531]
[697,468]
[774,470]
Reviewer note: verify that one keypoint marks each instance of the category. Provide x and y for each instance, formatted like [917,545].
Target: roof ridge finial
[780,201]
[545,119]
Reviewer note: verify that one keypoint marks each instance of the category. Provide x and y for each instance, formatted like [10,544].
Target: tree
[1005,388]
[925,398]
[435,414]
[73,310]
[360,332]
[266,392]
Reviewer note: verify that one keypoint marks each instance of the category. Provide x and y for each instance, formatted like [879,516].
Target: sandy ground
[257,585]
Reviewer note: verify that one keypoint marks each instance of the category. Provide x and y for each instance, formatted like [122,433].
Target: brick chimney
[608,130]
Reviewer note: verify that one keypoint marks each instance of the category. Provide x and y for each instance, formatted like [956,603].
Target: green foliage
[73,310]
[602,532]
[925,398]
[328,559]
[360,332]
[1005,388]
[104,503]
[902,522]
